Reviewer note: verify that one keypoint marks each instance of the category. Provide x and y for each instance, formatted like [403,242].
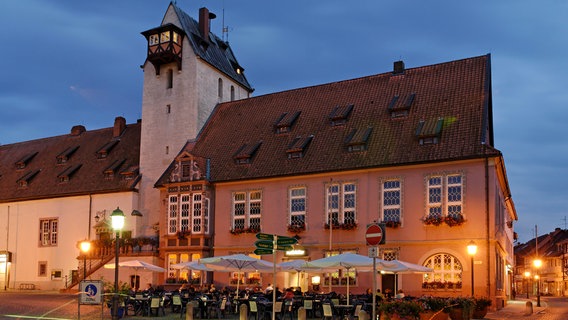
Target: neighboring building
[60,190]
[552,250]
[412,148]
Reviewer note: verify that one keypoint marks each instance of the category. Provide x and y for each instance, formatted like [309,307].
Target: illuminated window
[341,204]
[247,211]
[154,39]
[188,213]
[165,36]
[48,232]
[447,272]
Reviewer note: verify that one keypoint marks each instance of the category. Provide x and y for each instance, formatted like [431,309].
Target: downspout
[90,216]
[487,221]
[7,248]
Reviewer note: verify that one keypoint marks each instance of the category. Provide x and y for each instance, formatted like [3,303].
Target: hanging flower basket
[349,226]
[297,227]
[392,224]
[434,220]
[454,219]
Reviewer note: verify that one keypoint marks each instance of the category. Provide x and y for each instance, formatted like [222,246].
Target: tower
[188,70]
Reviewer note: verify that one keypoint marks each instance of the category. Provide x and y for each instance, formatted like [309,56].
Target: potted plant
[400,309]
[434,308]
[454,219]
[123,295]
[461,308]
[482,304]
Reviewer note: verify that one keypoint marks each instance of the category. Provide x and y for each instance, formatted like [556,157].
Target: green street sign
[261,252]
[263,244]
[283,241]
[265,236]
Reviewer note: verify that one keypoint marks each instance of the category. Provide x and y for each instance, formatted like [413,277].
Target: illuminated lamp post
[472,250]
[85,247]
[537,264]
[117,218]
[528,276]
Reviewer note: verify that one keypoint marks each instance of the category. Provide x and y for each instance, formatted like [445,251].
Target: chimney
[398,67]
[119,126]
[205,18]
[77,130]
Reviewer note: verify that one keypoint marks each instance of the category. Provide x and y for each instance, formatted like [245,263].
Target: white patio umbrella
[237,262]
[346,261]
[298,266]
[137,265]
[192,265]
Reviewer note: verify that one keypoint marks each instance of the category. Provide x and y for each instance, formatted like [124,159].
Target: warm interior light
[527,274]
[316,280]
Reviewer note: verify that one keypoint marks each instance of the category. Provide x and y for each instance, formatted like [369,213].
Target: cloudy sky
[70,62]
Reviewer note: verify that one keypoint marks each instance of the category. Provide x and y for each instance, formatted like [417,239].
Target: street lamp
[528,276]
[472,250]
[537,264]
[117,218]
[85,247]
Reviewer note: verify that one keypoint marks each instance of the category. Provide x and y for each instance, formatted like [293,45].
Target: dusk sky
[70,62]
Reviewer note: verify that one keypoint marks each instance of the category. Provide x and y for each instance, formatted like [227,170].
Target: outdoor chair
[327,311]
[157,304]
[253,309]
[309,307]
[176,303]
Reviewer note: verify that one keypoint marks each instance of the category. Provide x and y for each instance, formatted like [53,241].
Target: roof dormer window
[286,121]
[245,153]
[340,115]
[64,156]
[154,39]
[25,180]
[111,170]
[68,173]
[22,163]
[297,148]
[104,151]
[428,131]
[399,109]
[357,140]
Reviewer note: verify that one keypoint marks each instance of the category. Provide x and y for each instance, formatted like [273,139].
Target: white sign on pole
[373,252]
[90,291]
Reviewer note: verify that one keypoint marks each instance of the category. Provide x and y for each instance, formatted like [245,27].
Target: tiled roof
[69,165]
[459,92]
[218,53]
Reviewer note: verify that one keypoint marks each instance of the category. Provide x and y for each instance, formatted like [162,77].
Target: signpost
[269,244]
[374,236]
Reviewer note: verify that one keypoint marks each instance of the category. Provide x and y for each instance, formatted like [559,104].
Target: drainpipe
[487,221]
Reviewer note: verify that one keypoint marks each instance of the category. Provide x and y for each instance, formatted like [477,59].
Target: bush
[404,308]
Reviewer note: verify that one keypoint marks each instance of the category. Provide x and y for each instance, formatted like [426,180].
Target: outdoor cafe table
[344,310]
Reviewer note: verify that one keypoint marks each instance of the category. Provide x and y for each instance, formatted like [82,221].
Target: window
[42,269]
[220,89]
[175,36]
[154,39]
[170,77]
[391,204]
[339,277]
[445,196]
[168,108]
[297,196]
[188,213]
[447,272]
[48,232]
[341,204]
[247,211]
[232,93]
[165,36]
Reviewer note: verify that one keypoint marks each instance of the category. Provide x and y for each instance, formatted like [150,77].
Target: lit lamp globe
[537,263]
[117,219]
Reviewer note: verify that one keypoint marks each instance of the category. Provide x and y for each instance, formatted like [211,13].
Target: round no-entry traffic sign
[374,235]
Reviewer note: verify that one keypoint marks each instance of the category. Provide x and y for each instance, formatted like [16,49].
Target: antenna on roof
[225,28]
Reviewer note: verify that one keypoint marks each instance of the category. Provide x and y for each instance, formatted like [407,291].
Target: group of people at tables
[208,296]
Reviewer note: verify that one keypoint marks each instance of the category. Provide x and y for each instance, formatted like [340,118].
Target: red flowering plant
[392,223]
[454,219]
[238,230]
[349,225]
[433,219]
[297,227]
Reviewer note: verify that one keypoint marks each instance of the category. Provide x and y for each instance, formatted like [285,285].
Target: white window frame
[188,212]
[249,205]
[297,205]
[446,200]
[341,202]
[448,270]
[48,232]
[387,187]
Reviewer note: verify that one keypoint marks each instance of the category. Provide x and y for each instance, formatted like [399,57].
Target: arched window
[232,93]
[220,89]
[447,272]
[170,78]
